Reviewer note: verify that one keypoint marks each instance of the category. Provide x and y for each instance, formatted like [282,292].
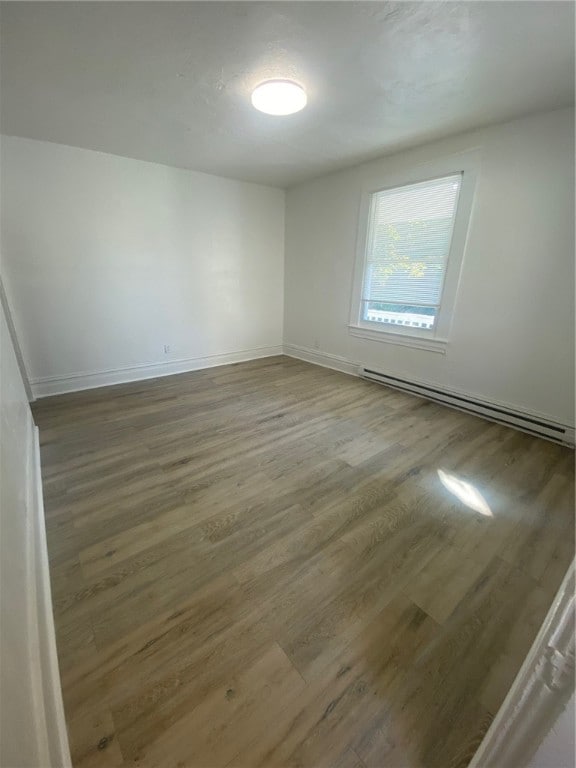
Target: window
[409,260]
[407,254]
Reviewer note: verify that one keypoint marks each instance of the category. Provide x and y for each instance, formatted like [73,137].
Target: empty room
[287,384]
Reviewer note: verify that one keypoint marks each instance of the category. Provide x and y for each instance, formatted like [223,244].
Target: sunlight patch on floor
[465,492]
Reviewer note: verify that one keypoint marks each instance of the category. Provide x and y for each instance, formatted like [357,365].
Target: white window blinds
[408,246]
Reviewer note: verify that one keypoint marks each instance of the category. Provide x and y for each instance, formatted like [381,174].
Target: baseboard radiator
[535,425]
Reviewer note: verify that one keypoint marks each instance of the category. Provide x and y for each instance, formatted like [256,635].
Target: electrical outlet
[166,348]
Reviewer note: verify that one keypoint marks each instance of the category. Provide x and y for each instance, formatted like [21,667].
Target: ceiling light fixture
[279,97]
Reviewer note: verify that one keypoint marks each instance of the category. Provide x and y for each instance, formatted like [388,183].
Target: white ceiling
[171,82]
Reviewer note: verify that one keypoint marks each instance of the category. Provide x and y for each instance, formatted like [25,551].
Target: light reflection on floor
[465,492]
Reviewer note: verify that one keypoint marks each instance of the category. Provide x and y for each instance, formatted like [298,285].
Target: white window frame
[434,339]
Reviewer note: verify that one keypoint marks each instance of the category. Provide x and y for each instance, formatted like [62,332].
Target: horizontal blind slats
[411,230]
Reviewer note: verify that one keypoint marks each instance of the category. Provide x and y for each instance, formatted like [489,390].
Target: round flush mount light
[279,97]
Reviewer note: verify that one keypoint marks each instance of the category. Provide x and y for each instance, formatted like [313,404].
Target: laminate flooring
[275,564]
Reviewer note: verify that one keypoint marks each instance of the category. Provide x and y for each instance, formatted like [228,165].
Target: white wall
[512,338]
[108,259]
[18,745]
[559,746]
[32,730]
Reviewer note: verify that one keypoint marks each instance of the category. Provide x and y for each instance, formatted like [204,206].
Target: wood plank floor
[274,564]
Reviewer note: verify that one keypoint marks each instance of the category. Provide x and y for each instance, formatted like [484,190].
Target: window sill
[401,339]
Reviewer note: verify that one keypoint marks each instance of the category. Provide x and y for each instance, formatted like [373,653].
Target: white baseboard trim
[499,412]
[50,706]
[323,359]
[56,385]
[344,365]
[46,724]
[76,382]
[540,691]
